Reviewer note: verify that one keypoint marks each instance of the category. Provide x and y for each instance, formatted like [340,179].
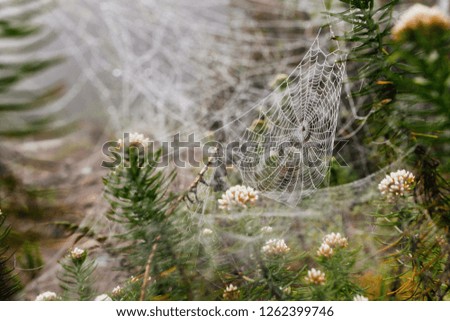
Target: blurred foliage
[20,39]
[24,92]
[30,258]
[406,83]
[8,280]
[339,173]
[24,97]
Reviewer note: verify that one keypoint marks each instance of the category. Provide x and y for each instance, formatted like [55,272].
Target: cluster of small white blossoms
[315,277]
[103,297]
[330,242]
[231,292]
[116,291]
[275,247]
[47,296]
[419,16]
[360,297]
[396,183]
[325,250]
[266,229]
[335,239]
[135,139]
[77,253]
[238,195]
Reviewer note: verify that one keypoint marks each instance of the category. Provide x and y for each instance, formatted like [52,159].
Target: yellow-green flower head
[420,18]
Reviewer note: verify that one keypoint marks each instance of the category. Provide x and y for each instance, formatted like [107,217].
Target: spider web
[285,153]
[150,80]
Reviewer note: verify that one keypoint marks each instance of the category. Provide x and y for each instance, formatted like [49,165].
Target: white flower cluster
[315,277]
[396,183]
[135,139]
[103,297]
[231,292]
[238,195]
[330,242]
[325,250]
[117,290]
[47,296]
[360,297]
[77,253]
[275,247]
[419,16]
[334,240]
[266,229]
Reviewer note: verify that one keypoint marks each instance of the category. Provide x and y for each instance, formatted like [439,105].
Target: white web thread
[291,144]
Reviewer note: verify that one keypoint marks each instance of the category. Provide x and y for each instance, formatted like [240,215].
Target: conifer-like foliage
[76,277]
[404,78]
[156,236]
[139,201]
[406,71]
